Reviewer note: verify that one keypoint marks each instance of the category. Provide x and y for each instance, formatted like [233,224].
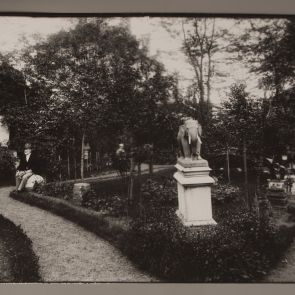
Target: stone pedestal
[194,192]
[79,190]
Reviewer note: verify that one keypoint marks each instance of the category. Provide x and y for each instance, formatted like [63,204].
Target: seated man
[27,167]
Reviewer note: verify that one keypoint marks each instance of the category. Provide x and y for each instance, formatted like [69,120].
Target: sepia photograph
[147,148]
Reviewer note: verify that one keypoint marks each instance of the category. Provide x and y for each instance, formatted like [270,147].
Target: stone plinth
[79,190]
[194,192]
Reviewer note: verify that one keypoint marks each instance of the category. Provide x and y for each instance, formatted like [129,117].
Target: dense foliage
[241,248]
[7,168]
[94,84]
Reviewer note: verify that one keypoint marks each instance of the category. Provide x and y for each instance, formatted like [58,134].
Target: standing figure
[28,165]
[121,161]
[189,139]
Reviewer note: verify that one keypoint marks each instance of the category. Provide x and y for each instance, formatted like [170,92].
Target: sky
[164,46]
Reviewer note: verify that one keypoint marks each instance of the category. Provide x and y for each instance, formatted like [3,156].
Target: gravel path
[67,252]
[285,271]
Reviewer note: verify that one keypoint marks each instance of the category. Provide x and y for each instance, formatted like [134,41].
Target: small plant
[56,189]
[223,193]
[114,205]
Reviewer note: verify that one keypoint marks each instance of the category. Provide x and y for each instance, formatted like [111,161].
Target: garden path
[113,174]
[285,271]
[67,252]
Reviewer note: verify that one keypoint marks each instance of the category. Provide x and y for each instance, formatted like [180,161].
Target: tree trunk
[227,164]
[131,184]
[96,160]
[69,167]
[137,201]
[151,166]
[245,172]
[75,160]
[59,160]
[82,156]
[151,162]
[258,195]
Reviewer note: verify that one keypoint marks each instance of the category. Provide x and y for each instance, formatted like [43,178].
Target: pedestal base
[195,222]
[194,194]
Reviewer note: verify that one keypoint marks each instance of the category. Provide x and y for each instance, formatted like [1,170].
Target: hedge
[23,261]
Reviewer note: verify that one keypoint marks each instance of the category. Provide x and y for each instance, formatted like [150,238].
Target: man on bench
[27,167]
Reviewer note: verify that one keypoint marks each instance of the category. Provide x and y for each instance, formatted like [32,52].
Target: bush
[223,193]
[111,196]
[7,168]
[114,204]
[240,250]
[61,190]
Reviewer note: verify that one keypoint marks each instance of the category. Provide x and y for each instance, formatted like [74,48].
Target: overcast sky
[165,47]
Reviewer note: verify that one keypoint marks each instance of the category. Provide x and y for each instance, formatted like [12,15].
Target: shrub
[240,250]
[223,193]
[114,204]
[7,168]
[61,190]
[111,196]
[159,193]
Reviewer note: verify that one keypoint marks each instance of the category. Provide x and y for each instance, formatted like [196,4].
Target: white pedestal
[194,194]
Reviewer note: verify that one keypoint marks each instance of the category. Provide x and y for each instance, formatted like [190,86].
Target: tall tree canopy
[94,81]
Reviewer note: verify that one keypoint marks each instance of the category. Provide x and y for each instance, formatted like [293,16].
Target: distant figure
[121,151]
[121,161]
[28,165]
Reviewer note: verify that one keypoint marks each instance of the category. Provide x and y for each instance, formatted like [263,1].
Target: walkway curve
[66,251]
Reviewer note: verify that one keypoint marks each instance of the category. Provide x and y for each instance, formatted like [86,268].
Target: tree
[267,48]
[91,84]
[243,122]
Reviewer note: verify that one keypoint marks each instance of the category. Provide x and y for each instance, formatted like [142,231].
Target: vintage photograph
[147,148]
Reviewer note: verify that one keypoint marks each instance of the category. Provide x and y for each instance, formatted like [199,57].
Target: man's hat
[28,146]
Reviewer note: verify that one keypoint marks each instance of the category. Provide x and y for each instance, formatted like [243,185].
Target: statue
[189,139]
[192,176]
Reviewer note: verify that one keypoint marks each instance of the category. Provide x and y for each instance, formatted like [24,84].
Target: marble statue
[189,139]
